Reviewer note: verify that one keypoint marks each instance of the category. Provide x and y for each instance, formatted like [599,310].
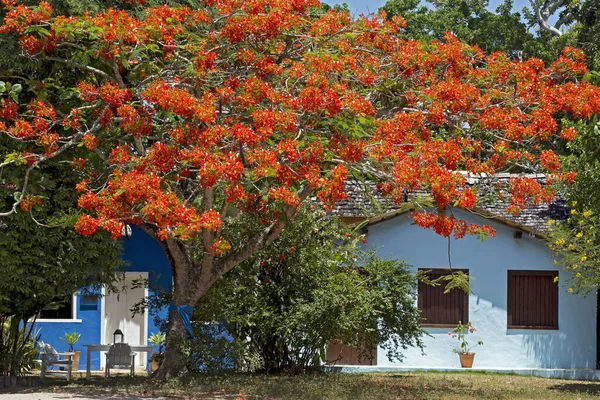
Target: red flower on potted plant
[462,348]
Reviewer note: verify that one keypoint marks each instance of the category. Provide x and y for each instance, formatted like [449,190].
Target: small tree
[576,243]
[312,286]
[576,240]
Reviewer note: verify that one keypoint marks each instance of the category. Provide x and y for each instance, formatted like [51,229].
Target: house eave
[358,220]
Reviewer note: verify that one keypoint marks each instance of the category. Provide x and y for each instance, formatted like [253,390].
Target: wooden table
[105,347]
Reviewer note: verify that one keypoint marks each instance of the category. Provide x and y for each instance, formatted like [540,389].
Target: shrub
[314,285]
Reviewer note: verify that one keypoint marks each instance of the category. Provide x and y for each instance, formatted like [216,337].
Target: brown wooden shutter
[532,300]
[341,354]
[439,309]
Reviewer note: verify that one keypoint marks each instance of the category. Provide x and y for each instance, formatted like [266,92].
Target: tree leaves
[312,286]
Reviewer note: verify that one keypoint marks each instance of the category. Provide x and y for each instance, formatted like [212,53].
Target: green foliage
[158,339]
[575,241]
[314,285]
[461,333]
[582,155]
[40,264]
[588,31]
[337,7]
[577,244]
[212,350]
[469,20]
[18,346]
[472,22]
[453,280]
[71,339]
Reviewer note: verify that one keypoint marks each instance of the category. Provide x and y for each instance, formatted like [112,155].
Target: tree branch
[118,76]
[543,10]
[564,20]
[258,242]
[208,238]
[40,159]
[82,66]
[23,191]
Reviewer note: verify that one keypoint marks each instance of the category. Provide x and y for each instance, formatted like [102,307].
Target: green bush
[313,285]
[212,349]
[18,346]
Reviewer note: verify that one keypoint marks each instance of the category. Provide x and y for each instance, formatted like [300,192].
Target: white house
[527,321]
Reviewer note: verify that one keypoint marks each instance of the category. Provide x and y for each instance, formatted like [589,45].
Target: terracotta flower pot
[76,357]
[156,359]
[155,365]
[466,359]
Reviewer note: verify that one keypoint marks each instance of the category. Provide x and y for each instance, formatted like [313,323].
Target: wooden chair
[120,355]
[51,357]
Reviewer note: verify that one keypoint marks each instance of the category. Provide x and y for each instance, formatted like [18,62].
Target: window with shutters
[439,309]
[532,300]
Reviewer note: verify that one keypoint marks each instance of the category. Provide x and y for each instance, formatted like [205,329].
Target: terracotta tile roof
[365,202]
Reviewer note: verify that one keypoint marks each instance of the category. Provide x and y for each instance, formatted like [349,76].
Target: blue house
[528,321]
[98,315]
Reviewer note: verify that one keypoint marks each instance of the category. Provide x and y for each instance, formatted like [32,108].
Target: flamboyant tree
[204,124]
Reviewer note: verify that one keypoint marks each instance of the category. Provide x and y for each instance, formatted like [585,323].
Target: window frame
[466,296]
[509,316]
[74,318]
[88,306]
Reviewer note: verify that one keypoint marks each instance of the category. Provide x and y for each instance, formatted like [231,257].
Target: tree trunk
[188,288]
[173,363]
[191,281]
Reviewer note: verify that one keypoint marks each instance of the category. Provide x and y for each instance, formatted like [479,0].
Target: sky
[367,6]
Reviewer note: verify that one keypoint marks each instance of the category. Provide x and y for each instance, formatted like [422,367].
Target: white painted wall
[572,346]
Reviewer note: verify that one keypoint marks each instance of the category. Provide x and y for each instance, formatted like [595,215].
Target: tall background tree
[208,126]
[470,20]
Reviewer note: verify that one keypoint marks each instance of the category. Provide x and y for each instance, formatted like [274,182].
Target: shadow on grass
[201,387]
[98,388]
[371,386]
[587,388]
[16,390]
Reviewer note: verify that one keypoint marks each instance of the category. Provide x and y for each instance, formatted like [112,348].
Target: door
[118,315]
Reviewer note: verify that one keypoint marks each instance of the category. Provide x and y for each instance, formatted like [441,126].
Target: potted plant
[462,348]
[71,339]
[158,339]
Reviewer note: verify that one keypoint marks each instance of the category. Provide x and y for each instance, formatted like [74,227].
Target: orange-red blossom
[248,102]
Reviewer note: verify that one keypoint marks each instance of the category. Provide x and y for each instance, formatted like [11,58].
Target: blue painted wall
[572,346]
[142,254]
[86,322]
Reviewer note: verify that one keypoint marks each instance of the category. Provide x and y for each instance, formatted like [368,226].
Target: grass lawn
[405,385]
